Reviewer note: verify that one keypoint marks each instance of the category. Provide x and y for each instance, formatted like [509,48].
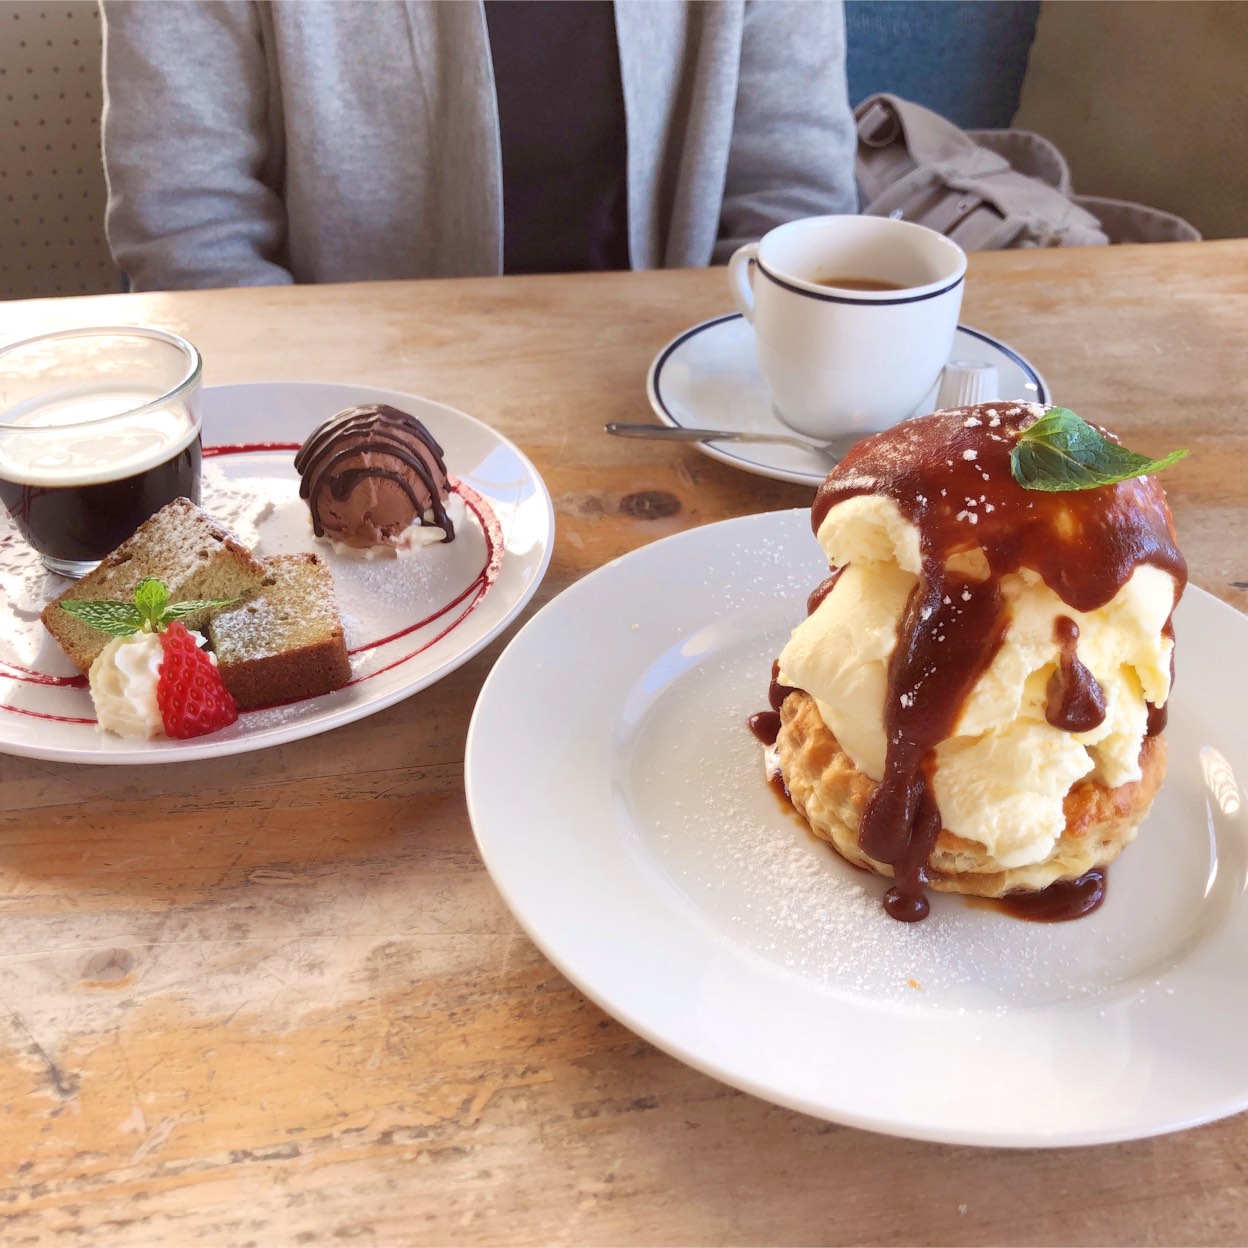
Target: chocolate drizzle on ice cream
[372,473]
[949,476]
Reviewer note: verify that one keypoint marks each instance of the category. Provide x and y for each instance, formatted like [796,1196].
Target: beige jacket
[251,144]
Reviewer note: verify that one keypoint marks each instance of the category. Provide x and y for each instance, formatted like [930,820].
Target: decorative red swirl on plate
[15,671]
[246,448]
[56,719]
[476,589]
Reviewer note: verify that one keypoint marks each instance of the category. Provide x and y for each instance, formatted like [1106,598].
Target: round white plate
[708,378]
[620,804]
[408,621]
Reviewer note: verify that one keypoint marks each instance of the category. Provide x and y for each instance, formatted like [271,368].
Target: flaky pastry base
[830,793]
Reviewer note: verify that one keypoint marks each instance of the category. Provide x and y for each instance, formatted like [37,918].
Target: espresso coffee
[83,523]
[81,470]
[858,283]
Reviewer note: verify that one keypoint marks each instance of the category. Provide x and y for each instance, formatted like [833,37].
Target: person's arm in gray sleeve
[793,137]
[186,136]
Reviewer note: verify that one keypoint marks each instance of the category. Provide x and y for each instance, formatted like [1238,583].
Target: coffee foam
[91,435]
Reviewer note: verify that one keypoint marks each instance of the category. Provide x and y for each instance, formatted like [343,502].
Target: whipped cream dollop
[123,682]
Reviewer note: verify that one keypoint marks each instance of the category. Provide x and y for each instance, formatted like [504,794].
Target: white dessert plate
[620,805]
[708,378]
[408,621]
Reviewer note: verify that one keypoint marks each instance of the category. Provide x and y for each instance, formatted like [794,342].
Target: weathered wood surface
[275,998]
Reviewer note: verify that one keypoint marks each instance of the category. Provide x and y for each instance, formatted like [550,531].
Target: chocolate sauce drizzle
[766,724]
[819,593]
[1158,715]
[1074,701]
[379,429]
[949,474]
[1060,902]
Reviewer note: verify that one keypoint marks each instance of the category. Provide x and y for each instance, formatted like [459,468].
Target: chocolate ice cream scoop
[371,474]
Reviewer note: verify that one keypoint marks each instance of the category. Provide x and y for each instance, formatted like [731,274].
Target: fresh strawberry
[189,691]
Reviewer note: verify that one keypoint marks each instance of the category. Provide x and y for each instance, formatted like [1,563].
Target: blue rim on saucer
[745,404]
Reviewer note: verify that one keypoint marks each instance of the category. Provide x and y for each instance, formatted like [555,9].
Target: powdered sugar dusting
[238,504]
[25,584]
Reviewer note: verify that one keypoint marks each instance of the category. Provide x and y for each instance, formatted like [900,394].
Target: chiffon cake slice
[286,642]
[182,546]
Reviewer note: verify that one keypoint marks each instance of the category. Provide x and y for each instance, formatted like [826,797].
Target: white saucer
[627,823]
[408,622]
[708,378]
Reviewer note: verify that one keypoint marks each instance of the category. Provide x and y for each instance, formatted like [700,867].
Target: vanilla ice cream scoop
[982,647]
[375,479]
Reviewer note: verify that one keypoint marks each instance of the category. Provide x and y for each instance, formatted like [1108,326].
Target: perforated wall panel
[51,177]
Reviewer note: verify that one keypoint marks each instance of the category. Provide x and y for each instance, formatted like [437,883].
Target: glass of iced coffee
[99,429]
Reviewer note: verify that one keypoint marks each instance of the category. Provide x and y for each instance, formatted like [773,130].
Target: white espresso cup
[854,318]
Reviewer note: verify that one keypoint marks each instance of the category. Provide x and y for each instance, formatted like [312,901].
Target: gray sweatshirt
[312,141]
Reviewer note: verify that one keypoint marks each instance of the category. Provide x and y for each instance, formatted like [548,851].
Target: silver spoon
[680,433]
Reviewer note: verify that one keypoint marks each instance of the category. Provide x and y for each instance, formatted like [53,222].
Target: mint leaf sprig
[1061,451]
[150,611]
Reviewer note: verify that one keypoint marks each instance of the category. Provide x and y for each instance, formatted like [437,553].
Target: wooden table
[275,999]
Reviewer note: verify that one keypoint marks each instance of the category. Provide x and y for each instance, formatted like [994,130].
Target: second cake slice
[287,641]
